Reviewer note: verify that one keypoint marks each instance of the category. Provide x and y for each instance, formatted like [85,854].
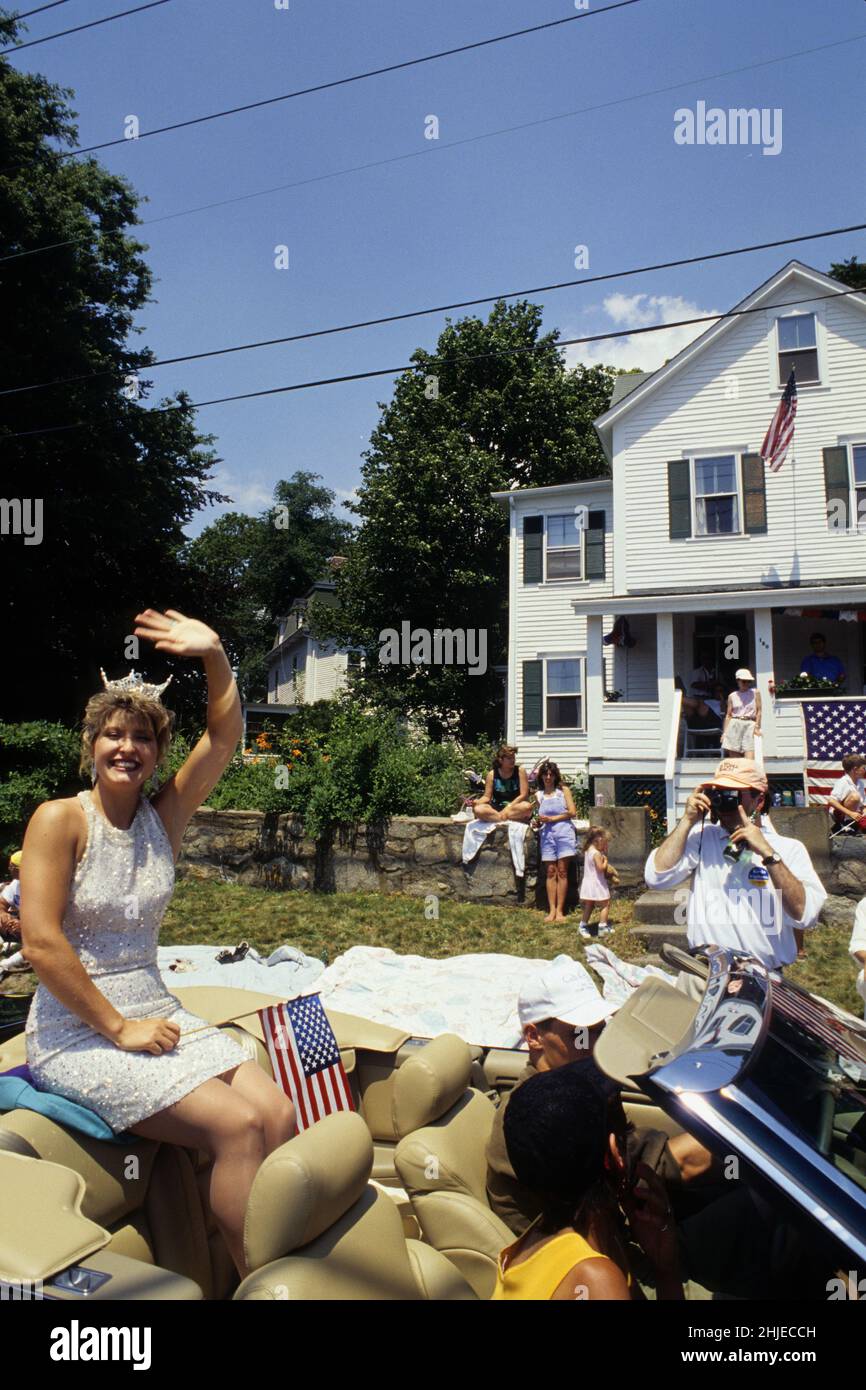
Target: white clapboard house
[695,545]
[301,669]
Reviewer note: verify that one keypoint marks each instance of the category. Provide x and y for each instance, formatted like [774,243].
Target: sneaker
[585,932]
[605,930]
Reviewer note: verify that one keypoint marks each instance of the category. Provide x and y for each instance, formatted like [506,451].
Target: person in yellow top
[561,1131]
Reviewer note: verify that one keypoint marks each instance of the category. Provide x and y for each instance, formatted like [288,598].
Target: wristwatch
[768,859]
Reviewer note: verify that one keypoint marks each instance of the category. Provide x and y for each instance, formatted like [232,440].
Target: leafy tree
[851,272]
[245,571]
[116,482]
[492,408]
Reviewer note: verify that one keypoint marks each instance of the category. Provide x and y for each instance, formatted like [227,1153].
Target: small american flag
[306,1059]
[781,431]
[833,728]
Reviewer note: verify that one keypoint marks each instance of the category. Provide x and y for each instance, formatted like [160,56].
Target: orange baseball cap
[741,773]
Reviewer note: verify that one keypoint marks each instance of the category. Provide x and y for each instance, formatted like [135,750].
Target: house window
[564,549]
[564,693]
[716,494]
[798,348]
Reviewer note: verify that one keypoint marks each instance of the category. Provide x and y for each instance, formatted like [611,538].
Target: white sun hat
[566,992]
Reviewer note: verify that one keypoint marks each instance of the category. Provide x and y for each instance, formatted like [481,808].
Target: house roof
[624,402]
[553,489]
[849,593]
[625,384]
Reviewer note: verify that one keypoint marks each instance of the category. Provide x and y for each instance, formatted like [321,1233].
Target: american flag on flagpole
[833,728]
[306,1059]
[781,431]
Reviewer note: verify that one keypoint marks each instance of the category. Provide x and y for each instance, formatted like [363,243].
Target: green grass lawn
[324,925]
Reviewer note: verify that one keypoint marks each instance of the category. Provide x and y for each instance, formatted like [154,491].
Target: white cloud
[647,351]
[248,494]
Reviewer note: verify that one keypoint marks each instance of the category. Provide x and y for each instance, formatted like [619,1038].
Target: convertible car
[389,1202]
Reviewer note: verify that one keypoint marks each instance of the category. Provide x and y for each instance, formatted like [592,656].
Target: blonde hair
[592,835]
[105,703]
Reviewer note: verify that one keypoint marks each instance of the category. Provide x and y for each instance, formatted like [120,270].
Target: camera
[723,799]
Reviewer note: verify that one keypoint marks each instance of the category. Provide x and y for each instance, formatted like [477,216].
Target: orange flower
[326,757]
[296,753]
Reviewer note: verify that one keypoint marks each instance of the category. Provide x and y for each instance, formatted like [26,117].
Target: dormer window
[797,348]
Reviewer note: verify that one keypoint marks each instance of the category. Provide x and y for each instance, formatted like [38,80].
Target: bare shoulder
[57,828]
[596,1279]
[57,818]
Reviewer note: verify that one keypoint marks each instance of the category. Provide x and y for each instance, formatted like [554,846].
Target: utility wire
[438,309]
[345,81]
[94,23]
[436,147]
[432,360]
[27,13]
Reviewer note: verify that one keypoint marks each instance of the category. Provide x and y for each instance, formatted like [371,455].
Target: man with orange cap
[752,888]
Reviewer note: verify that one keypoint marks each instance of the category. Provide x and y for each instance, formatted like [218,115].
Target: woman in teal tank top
[506,790]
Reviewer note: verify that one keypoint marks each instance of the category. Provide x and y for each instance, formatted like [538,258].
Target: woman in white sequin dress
[97,876]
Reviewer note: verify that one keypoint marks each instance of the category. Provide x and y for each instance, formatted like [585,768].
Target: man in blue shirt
[819,665]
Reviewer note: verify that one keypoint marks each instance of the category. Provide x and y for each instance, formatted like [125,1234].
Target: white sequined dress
[117,898]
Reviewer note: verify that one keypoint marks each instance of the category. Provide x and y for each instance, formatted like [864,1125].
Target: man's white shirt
[735,905]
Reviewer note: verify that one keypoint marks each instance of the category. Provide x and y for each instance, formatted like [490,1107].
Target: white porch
[637,735]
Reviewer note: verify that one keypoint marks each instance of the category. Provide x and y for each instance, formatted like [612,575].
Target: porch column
[665,666]
[594,687]
[763,673]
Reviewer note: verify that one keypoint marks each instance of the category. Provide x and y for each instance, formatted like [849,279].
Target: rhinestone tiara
[134,684]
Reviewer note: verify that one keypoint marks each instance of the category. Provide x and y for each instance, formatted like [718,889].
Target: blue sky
[483,217]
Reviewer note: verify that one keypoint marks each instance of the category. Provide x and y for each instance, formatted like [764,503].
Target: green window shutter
[532,697]
[836,487]
[679,499]
[754,496]
[533,549]
[595,546]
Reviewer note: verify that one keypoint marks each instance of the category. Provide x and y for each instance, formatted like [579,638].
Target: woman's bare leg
[551,892]
[561,888]
[216,1118]
[272,1103]
[522,811]
[486,811]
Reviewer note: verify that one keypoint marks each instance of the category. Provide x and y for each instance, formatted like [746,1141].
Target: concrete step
[658,906]
[655,936]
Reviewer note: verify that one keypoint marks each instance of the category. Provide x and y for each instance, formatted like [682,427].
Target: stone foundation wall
[415,855]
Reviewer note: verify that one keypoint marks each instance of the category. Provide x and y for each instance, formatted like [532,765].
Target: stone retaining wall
[417,855]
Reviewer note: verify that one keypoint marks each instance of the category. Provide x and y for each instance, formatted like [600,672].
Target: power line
[436,147]
[449,361]
[27,13]
[93,24]
[345,81]
[440,309]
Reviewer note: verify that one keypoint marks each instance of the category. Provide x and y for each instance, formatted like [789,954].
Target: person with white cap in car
[742,717]
[562,1014]
[752,888]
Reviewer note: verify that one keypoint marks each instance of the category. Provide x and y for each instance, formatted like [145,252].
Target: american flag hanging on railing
[833,728]
[781,431]
[306,1059]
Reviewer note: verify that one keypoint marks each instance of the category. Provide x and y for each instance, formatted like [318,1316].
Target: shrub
[38,761]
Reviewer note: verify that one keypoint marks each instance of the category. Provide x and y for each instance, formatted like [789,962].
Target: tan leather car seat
[317,1229]
[441,1160]
[397,1098]
[152,1198]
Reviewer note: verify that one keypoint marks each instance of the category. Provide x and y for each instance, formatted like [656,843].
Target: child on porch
[595,888]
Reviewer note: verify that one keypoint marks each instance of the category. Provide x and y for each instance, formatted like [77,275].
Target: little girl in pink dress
[594,888]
